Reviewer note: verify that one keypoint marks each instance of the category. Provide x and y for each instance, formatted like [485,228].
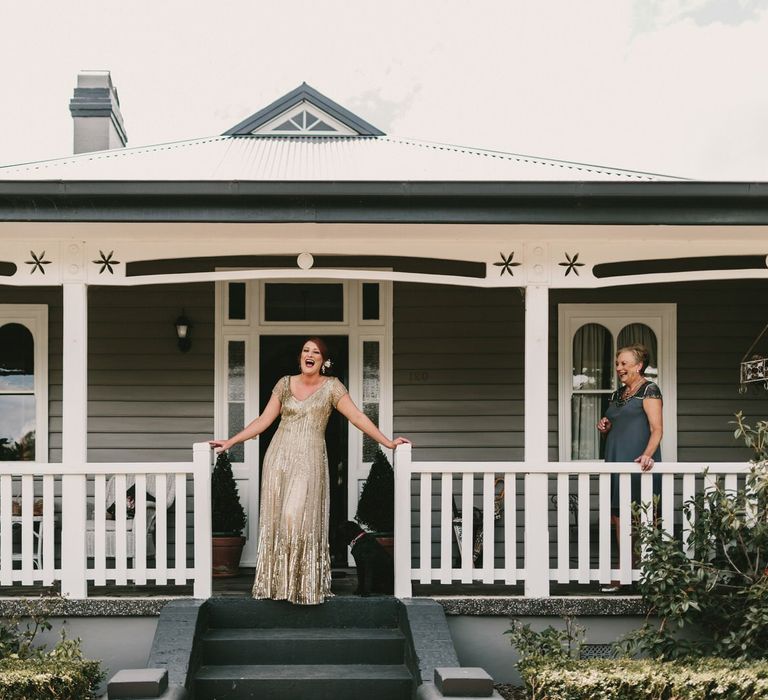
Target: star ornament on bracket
[106,262]
[37,262]
[572,265]
[506,264]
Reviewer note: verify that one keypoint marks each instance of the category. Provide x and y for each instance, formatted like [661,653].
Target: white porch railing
[61,500]
[555,524]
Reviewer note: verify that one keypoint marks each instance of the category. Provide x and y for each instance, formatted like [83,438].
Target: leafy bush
[552,645]
[29,672]
[715,603]
[17,634]
[48,677]
[227,514]
[632,679]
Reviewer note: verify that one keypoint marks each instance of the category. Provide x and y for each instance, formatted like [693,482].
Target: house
[473,300]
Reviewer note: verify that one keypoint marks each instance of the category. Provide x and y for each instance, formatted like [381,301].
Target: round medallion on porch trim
[305,261]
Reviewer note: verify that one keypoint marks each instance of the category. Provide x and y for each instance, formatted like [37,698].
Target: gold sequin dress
[293,561]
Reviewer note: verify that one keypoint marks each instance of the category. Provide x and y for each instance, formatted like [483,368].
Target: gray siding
[51,296]
[147,400]
[458,371]
[716,324]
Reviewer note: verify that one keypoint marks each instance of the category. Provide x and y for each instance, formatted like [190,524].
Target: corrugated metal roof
[258,158]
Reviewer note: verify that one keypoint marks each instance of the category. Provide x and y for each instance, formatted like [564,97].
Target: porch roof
[316,159]
[687,203]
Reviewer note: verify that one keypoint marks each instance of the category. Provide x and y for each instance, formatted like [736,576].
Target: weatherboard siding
[147,400]
[458,371]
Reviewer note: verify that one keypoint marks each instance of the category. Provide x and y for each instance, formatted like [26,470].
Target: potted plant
[227,519]
[376,507]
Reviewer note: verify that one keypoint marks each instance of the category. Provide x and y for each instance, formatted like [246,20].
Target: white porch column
[203,586]
[402,466]
[536,438]
[74,439]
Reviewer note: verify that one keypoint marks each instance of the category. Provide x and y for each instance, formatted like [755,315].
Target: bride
[293,560]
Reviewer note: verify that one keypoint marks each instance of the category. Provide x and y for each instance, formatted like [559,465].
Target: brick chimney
[95,110]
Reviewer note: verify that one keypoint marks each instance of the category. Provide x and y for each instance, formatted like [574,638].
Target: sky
[676,87]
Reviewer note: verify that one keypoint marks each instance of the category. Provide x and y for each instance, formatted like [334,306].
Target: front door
[260,327]
[279,356]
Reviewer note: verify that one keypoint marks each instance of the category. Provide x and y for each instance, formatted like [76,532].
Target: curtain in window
[17,393]
[592,372]
[640,333]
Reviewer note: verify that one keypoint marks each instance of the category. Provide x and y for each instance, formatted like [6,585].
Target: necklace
[629,391]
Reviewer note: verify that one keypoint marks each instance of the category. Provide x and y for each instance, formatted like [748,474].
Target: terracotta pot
[226,556]
[388,542]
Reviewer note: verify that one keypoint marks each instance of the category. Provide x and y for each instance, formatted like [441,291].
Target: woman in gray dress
[632,423]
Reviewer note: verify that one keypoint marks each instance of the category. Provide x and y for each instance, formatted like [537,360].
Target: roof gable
[304,112]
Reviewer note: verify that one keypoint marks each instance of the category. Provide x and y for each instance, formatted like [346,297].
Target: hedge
[49,678]
[646,679]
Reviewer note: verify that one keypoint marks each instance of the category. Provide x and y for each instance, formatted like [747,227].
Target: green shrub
[719,597]
[632,679]
[49,677]
[29,672]
[17,634]
[550,644]
[227,514]
[376,507]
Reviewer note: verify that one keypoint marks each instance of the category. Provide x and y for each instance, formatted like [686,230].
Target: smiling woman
[293,560]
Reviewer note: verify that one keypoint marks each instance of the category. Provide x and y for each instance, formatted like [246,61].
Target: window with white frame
[589,335]
[23,383]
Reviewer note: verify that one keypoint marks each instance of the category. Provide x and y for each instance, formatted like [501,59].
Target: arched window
[589,338]
[23,396]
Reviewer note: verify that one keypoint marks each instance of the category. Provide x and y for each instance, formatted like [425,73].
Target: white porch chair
[111,525]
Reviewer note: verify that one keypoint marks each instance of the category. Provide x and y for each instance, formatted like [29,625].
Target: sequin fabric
[293,561]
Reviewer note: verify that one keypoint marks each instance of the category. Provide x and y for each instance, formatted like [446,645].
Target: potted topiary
[227,519]
[376,507]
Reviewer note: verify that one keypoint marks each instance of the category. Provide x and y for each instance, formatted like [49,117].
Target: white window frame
[661,318]
[34,317]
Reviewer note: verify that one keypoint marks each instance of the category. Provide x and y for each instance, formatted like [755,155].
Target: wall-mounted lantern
[183,328]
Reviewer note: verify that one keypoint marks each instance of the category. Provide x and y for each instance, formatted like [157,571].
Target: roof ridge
[113,152]
[524,158]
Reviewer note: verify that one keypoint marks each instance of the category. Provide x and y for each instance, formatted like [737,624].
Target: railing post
[402,466]
[536,440]
[74,438]
[203,586]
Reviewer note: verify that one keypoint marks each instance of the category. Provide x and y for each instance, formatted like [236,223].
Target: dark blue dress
[628,437]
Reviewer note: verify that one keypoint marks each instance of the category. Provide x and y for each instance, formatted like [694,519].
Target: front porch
[477,365]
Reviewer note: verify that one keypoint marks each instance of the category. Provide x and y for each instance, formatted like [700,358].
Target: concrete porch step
[304,682]
[231,613]
[303,646]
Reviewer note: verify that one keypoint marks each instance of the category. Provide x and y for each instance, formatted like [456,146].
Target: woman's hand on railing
[398,441]
[220,445]
[646,462]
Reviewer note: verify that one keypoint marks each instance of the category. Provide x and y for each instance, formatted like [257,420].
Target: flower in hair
[326,366]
